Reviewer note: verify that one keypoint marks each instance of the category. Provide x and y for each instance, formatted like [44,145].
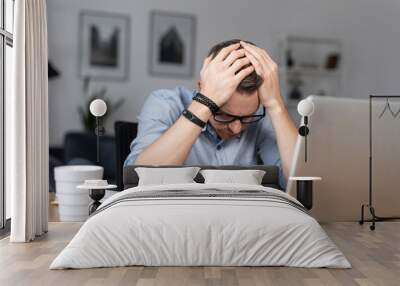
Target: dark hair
[251,82]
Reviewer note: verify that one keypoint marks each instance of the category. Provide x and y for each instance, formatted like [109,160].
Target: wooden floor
[375,257]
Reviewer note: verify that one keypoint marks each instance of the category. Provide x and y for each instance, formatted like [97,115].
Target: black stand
[305,193]
[96,195]
[99,131]
[304,131]
[374,217]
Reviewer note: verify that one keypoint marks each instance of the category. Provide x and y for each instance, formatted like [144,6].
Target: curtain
[27,124]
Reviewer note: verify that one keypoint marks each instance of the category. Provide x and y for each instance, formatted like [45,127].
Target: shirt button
[219,147]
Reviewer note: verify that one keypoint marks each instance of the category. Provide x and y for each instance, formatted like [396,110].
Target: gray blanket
[202,194]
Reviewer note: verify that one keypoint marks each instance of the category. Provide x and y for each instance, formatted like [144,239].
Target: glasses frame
[240,118]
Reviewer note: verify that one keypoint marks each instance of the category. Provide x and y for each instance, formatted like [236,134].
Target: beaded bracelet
[201,98]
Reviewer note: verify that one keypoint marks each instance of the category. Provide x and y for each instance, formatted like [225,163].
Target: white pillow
[248,177]
[163,176]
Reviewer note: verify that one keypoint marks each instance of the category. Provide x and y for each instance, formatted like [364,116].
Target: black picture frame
[122,21]
[188,24]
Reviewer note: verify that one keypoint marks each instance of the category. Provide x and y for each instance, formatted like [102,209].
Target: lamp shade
[98,107]
[305,107]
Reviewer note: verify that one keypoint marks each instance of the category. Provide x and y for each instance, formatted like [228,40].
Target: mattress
[201,225]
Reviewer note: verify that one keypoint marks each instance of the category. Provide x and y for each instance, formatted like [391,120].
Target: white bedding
[182,231]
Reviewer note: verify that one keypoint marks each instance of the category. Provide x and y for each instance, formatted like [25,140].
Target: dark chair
[82,146]
[125,132]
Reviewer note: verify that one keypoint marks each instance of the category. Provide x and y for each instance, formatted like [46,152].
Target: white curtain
[27,124]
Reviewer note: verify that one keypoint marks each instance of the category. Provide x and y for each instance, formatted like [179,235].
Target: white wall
[367,28]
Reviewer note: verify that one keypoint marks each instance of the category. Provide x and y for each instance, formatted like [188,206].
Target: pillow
[163,176]
[248,177]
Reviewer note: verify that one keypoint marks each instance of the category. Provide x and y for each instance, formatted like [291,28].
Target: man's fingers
[267,56]
[226,51]
[257,66]
[233,56]
[206,62]
[251,49]
[243,73]
[238,64]
[259,53]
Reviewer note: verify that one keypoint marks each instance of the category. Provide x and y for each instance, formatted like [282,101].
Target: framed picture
[104,45]
[172,44]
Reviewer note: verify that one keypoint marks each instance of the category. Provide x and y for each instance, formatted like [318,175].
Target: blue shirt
[163,107]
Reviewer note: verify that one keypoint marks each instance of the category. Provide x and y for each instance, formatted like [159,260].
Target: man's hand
[270,96]
[269,92]
[219,77]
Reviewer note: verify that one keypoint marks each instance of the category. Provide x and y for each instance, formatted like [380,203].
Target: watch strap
[193,118]
[201,98]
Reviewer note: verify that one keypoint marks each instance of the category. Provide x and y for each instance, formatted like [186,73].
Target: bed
[198,224]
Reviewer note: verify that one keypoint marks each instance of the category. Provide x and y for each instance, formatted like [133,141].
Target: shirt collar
[210,131]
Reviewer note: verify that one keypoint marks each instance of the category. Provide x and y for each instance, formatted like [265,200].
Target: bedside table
[304,190]
[97,190]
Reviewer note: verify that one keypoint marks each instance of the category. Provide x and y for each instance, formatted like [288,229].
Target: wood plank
[375,257]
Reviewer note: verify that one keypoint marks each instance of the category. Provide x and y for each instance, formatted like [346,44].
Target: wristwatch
[206,101]
[193,118]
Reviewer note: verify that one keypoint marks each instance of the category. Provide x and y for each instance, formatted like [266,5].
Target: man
[222,123]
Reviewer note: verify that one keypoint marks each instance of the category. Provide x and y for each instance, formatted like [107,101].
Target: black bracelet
[206,101]
[193,118]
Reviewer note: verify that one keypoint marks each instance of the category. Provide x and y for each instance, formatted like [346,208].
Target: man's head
[243,102]
[249,84]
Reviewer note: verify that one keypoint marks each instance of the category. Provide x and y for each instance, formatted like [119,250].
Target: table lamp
[304,188]
[305,108]
[98,108]
[97,188]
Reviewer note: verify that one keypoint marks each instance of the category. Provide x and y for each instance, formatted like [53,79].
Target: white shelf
[309,57]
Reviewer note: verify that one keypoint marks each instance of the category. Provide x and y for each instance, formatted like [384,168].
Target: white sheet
[200,231]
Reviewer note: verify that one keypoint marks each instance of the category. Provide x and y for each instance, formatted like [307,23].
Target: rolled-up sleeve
[158,114]
[268,148]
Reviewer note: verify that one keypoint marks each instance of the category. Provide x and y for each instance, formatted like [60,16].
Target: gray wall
[367,28]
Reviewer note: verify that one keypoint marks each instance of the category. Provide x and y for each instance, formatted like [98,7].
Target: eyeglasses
[226,118]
